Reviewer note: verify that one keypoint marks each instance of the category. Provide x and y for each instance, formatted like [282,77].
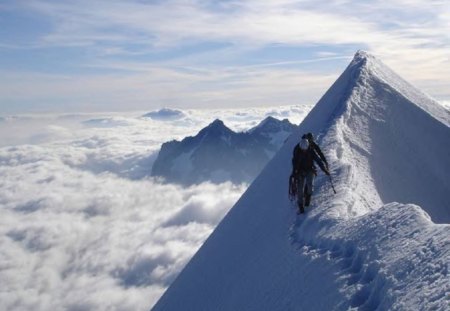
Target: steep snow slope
[359,249]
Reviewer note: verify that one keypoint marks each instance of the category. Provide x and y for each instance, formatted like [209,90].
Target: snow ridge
[373,68]
[367,276]
[357,250]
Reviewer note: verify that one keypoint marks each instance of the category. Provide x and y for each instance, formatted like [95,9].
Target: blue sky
[88,55]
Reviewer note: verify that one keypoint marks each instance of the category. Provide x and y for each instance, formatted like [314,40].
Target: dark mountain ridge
[219,154]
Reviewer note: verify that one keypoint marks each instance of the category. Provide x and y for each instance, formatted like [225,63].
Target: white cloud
[82,228]
[70,233]
[411,36]
[245,21]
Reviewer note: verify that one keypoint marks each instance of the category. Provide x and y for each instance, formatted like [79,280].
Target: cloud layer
[83,227]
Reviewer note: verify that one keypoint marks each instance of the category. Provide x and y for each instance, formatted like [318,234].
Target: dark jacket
[315,147]
[303,161]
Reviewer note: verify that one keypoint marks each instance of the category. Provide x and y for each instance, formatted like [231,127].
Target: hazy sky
[91,55]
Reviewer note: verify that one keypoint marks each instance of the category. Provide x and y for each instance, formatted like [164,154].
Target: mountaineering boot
[307,199]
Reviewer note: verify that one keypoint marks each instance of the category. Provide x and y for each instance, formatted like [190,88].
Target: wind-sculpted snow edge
[395,249]
[381,249]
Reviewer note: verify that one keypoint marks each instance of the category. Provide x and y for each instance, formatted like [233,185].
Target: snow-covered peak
[371,246]
[361,54]
[361,57]
[366,69]
[366,63]
[364,73]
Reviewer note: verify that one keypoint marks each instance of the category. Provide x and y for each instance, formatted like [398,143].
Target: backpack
[303,160]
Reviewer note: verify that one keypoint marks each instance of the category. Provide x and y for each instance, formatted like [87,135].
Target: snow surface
[373,245]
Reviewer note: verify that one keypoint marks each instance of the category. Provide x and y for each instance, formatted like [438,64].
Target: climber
[303,173]
[316,148]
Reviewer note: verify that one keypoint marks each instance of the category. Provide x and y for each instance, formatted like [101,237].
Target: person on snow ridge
[315,147]
[304,171]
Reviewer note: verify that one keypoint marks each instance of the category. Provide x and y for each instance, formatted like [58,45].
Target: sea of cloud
[84,226]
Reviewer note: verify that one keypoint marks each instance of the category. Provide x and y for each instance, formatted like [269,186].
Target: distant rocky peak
[216,128]
[218,154]
[271,124]
[217,123]
[269,120]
